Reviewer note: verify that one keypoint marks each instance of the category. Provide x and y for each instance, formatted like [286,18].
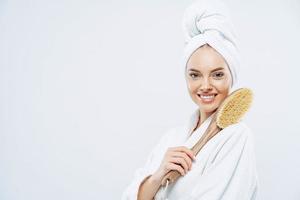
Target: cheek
[192,86]
[223,86]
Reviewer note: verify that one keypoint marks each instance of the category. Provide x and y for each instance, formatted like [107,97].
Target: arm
[148,188]
[141,181]
[163,159]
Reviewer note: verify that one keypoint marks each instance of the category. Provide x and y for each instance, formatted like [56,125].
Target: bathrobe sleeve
[231,172]
[142,173]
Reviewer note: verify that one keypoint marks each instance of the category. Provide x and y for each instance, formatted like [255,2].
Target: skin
[206,73]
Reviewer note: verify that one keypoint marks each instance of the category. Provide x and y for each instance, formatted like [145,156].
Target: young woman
[225,168]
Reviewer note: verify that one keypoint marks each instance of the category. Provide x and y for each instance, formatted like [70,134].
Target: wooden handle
[211,131]
[171,176]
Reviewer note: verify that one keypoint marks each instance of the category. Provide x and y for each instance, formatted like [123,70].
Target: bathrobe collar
[192,138]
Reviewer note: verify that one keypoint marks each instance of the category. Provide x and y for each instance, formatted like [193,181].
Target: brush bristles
[234,107]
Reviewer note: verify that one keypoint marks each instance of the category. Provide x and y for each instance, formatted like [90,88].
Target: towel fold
[208,22]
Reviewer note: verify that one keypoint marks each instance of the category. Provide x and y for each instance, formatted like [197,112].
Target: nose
[205,85]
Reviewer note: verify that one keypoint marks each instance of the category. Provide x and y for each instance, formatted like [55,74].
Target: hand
[176,158]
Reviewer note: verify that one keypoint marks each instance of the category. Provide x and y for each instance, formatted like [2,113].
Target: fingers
[186,158]
[178,168]
[181,155]
[186,150]
[176,158]
[182,162]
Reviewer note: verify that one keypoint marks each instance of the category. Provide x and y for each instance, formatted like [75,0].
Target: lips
[207,98]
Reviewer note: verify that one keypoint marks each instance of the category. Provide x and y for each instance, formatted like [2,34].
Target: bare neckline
[197,125]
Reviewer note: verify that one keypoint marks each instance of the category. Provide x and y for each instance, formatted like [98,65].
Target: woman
[225,168]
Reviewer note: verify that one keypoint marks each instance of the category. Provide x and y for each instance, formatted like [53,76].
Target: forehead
[206,58]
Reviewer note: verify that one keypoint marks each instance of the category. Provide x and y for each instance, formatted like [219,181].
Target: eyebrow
[216,69]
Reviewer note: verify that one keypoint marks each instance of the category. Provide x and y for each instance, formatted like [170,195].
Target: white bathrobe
[225,168]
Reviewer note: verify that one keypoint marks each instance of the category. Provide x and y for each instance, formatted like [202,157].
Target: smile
[207,98]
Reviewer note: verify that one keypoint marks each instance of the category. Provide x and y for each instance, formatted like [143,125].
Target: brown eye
[193,75]
[218,74]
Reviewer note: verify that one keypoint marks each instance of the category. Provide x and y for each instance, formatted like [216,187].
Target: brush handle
[210,132]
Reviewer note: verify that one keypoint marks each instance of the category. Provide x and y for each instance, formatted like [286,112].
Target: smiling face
[208,79]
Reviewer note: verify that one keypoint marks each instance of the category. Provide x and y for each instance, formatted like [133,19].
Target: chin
[208,108]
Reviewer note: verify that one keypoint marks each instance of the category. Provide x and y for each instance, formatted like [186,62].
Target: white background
[88,87]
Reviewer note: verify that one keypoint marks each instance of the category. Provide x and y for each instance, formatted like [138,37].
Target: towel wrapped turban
[208,22]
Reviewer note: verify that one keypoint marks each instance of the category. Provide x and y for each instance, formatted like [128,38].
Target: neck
[204,116]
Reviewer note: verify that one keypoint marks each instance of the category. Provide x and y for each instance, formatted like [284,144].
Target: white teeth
[207,97]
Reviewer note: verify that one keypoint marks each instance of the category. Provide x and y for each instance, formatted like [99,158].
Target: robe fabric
[225,168]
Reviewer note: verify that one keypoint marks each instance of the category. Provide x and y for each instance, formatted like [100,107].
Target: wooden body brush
[231,110]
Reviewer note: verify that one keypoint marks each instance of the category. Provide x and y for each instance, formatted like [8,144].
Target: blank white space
[88,87]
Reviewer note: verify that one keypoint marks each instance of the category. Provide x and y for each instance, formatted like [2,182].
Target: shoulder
[234,136]
[232,142]
[240,129]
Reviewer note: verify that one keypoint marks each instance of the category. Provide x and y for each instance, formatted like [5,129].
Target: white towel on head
[208,22]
